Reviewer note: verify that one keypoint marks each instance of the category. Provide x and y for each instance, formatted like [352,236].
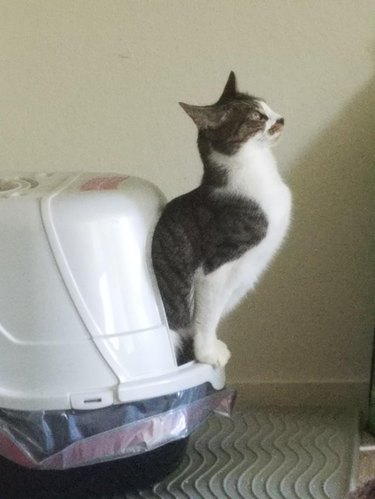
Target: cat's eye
[255,116]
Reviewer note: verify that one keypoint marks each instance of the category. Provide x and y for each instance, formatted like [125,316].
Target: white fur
[253,174]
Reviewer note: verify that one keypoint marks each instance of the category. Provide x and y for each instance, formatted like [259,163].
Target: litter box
[88,372]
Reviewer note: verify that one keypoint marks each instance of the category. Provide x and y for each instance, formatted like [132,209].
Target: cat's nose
[280,121]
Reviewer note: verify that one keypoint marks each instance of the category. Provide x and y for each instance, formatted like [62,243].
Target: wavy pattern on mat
[266,454]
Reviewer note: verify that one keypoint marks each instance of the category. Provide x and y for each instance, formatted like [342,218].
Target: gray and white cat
[211,245]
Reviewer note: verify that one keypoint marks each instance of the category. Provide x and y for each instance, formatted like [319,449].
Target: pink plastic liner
[124,441]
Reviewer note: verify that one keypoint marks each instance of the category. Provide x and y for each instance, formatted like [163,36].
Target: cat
[211,245]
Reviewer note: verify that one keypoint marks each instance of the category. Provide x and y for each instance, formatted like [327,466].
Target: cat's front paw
[215,353]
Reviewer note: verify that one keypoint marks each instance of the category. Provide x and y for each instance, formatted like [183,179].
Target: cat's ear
[230,88]
[204,116]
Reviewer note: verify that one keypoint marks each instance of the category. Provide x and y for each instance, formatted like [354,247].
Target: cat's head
[236,119]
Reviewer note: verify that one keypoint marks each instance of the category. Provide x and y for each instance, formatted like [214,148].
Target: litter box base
[111,479]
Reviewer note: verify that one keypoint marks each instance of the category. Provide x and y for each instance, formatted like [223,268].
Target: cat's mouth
[276,129]
[270,139]
[275,135]
[274,138]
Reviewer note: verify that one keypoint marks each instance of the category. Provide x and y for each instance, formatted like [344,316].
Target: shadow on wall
[333,191]
[318,295]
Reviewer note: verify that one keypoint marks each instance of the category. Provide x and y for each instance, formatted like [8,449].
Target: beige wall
[94,85]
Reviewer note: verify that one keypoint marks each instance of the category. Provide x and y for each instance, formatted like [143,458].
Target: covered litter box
[87,367]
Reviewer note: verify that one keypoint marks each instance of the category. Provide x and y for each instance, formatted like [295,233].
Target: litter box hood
[81,321]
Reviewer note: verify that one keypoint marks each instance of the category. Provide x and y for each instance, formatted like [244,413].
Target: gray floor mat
[268,454]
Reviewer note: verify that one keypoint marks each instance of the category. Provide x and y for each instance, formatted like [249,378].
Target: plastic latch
[94,400]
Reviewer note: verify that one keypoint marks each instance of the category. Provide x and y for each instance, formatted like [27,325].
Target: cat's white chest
[276,203]
[277,207]
[254,175]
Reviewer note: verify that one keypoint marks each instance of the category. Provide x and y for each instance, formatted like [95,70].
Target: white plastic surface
[184,377]
[101,240]
[45,349]
[81,320]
